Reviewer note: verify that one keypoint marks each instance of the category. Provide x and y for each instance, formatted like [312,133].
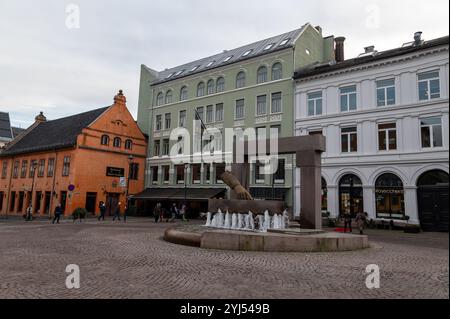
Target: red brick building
[77,161]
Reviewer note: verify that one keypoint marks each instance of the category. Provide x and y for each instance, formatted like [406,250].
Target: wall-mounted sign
[71,188]
[115,172]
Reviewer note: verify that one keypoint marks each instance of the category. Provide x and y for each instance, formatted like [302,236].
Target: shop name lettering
[235,309]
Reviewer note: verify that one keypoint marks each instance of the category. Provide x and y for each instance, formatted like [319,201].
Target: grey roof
[53,135]
[320,68]
[236,55]
[5,126]
[16,131]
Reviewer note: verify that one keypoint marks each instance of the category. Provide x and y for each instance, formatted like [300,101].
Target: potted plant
[79,213]
[412,229]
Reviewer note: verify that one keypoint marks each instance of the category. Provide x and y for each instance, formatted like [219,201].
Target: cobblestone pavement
[132,261]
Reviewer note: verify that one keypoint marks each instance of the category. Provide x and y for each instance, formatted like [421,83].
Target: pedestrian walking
[58,212]
[361,220]
[157,212]
[117,212]
[29,213]
[125,213]
[348,222]
[102,208]
[183,212]
[173,212]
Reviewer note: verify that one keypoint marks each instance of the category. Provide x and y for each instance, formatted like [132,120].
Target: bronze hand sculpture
[236,186]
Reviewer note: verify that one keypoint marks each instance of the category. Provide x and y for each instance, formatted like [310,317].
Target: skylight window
[179,73]
[268,47]
[247,53]
[210,64]
[170,75]
[195,68]
[228,58]
[284,42]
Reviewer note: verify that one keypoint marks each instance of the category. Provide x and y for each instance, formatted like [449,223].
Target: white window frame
[159,116]
[349,139]
[215,113]
[385,91]
[386,132]
[347,95]
[212,108]
[235,110]
[309,99]
[428,82]
[179,118]
[167,127]
[430,127]
[281,103]
[256,106]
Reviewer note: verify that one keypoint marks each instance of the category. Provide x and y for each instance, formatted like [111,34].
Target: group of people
[161,213]
[361,219]
[117,212]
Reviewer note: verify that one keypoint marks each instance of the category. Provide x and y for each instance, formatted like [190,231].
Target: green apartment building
[247,87]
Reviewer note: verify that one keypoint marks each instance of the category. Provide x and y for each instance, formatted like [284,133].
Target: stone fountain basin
[290,240]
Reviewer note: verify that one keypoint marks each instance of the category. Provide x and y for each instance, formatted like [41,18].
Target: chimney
[40,117]
[369,49]
[418,38]
[319,29]
[339,49]
[120,98]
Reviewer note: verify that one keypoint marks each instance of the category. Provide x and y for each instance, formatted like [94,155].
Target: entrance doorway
[47,199]
[38,201]
[390,197]
[433,197]
[351,195]
[91,200]
[112,203]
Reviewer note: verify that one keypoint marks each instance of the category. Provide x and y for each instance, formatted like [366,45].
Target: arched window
[240,80]
[220,87]
[169,97]
[201,89]
[262,75]
[389,197]
[435,178]
[160,99]
[350,195]
[105,140]
[277,71]
[117,142]
[183,93]
[128,144]
[210,87]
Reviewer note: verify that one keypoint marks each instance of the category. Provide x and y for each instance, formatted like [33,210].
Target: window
[196,173]
[134,171]
[261,105]
[269,46]
[219,112]
[157,148]
[259,177]
[387,137]
[386,92]
[4,169]
[194,68]
[210,87]
[23,170]
[160,99]
[275,130]
[158,124]
[220,169]
[166,174]
[247,53]
[277,71]
[184,93]
[182,121]
[209,114]
[199,115]
[284,42]
[169,97]
[51,167]
[16,169]
[201,89]
[170,75]
[318,132]
[117,142]
[179,73]
[155,171]
[167,121]
[207,168]
[105,140]
[128,144]
[431,131]
[228,58]
[349,140]
[276,103]
[240,110]
[262,75]
[220,87]
[33,164]
[210,64]
[66,166]
[180,170]
[240,80]
[315,104]
[348,98]
[389,195]
[166,147]
[429,86]
[41,168]
[280,174]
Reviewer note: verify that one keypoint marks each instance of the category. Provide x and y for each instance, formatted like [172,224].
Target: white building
[386,119]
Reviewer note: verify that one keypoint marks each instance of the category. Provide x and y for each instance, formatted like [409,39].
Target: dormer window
[247,53]
[284,42]
[269,46]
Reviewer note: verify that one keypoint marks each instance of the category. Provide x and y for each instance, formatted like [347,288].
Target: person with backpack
[117,212]
[58,212]
[102,208]
[157,212]
[361,220]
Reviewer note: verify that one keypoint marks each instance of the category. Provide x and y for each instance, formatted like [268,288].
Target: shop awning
[180,193]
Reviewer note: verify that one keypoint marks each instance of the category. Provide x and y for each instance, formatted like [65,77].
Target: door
[1,201]
[91,199]
[433,208]
[47,199]
[112,202]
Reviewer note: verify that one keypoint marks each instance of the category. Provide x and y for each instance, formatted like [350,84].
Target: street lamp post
[127,200]
[30,205]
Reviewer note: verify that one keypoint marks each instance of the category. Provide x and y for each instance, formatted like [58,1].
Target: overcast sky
[48,64]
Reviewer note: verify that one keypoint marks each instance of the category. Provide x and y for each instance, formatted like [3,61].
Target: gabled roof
[5,126]
[270,45]
[53,135]
[316,69]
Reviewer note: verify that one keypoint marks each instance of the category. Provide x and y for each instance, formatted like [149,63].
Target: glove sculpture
[236,186]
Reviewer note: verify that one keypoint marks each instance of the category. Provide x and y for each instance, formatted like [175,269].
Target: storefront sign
[115,172]
[390,191]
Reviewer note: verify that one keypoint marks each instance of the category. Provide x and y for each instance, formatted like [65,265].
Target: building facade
[248,87]
[76,161]
[385,116]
